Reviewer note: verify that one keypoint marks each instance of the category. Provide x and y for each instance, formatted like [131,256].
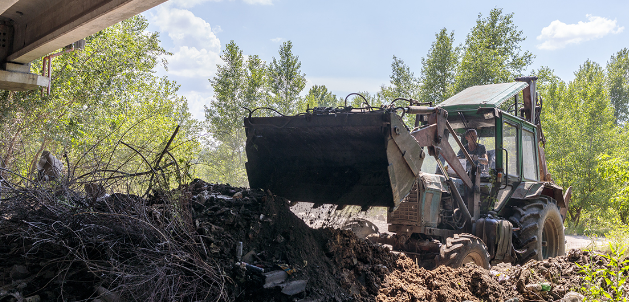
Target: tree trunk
[575,215]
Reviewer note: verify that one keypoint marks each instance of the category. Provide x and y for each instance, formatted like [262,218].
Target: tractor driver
[474,149]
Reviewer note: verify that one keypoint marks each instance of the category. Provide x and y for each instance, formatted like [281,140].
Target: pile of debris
[61,245]
[200,242]
[217,242]
[552,279]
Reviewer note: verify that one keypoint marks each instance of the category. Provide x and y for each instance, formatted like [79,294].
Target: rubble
[217,242]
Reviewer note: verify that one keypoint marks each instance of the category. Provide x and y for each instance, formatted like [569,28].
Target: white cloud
[191,62]
[558,34]
[261,2]
[277,40]
[186,29]
[196,48]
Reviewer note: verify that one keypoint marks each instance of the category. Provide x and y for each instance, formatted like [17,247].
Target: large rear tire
[462,249]
[541,234]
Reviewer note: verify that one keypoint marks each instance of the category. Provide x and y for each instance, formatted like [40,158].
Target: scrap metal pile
[217,242]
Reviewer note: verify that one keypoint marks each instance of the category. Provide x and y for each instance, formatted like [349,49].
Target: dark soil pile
[181,245]
[217,242]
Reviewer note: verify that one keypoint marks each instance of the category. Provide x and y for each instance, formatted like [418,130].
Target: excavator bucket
[345,158]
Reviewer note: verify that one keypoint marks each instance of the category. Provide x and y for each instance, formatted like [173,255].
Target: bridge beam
[34,28]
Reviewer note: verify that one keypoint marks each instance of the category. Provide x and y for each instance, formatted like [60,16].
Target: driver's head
[471,135]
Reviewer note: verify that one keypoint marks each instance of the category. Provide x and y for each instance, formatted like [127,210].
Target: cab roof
[483,96]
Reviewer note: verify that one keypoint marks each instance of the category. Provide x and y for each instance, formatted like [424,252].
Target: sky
[348,46]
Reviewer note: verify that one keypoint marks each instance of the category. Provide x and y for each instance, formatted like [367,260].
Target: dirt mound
[412,283]
[563,274]
[217,242]
[203,241]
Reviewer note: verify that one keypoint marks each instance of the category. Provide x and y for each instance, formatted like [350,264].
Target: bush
[610,282]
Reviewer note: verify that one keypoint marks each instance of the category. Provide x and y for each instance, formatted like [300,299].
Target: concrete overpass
[31,29]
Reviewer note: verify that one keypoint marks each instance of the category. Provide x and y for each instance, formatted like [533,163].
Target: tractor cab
[511,142]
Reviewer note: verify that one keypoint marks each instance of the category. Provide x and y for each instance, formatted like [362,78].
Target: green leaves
[618,84]
[616,170]
[230,91]
[102,95]
[319,96]
[607,282]
[492,52]
[286,81]
[403,82]
[579,126]
[248,83]
[439,69]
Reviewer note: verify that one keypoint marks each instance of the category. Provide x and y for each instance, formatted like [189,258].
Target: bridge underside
[31,29]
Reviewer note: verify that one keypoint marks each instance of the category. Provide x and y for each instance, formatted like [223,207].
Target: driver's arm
[484,159]
[460,154]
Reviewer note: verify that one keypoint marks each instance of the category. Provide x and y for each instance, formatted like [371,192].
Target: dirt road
[583,242]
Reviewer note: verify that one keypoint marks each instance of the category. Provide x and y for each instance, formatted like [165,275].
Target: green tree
[105,106]
[579,125]
[438,69]
[286,80]
[229,86]
[618,84]
[616,170]
[318,96]
[256,92]
[239,83]
[403,83]
[492,52]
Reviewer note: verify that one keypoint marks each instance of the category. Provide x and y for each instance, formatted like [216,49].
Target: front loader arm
[434,138]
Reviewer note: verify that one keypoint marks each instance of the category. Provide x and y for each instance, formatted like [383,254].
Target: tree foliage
[239,83]
[319,96]
[286,81]
[249,83]
[230,87]
[492,52]
[616,170]
[105,106]
[579,125]
[438,69]
[403,82]
[373,99]
[618,84]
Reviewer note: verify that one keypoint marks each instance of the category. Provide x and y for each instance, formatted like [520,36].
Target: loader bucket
[348,158]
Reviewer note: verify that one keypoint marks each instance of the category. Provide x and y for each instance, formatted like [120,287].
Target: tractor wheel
[541,233]
[462,249]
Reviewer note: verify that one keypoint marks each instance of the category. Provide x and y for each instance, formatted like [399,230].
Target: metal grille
[408,211]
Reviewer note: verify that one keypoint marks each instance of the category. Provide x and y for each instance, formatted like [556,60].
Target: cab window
[529,163]
[510,143]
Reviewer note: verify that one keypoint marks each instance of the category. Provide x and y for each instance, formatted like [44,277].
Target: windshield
[485,132]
